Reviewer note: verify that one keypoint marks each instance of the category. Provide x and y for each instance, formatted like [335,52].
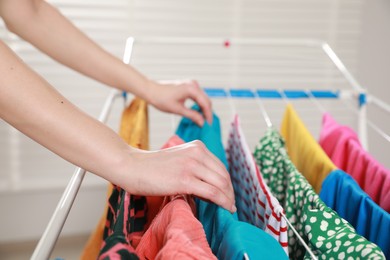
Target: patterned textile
[255,203]
[342,145]
[228,237]
[341,192]
[125,219]
[134,130]
[304,151]
[328,235]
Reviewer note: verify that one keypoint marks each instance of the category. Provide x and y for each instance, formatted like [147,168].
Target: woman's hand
[184,169]
[170,96]
[35,108]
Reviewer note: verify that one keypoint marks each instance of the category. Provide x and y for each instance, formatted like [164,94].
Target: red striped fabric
[255,203]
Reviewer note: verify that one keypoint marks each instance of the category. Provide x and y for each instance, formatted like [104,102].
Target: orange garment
[134,130]
[304,151]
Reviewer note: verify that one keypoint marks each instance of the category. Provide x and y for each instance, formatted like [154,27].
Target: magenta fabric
[343,147]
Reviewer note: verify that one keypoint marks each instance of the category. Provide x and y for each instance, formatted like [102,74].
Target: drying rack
[50,236]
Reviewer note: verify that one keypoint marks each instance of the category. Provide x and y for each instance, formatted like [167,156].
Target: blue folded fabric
[342,193]
[228,237]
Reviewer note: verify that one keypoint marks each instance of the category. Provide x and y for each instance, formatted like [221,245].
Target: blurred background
[32,179]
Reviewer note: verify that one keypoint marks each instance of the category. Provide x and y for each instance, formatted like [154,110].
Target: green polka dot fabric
[327,234]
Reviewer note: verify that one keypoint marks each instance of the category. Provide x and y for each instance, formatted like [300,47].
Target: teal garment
[210,135]
[228,237]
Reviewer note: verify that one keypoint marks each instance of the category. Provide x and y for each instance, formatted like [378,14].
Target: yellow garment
[304,151]
[134,130]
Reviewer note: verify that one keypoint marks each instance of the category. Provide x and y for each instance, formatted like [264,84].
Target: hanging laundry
[304,151]
[255,203]
[129,216]
[343,147]
[134,130]
[175,232]
[228,237]
[327,234]
[341,192]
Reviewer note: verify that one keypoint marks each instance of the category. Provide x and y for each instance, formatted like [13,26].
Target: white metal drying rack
[50,236]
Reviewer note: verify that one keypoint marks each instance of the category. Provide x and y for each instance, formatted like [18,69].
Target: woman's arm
[39,23]
[35,108]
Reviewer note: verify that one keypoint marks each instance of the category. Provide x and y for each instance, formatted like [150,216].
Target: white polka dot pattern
[328,235]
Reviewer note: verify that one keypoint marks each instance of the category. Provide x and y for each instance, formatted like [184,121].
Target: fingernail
[234,209]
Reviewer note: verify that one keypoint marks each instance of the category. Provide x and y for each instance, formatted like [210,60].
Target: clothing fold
[255,203]
[304,151]
[325,232]
[342,193]
[174,232]
[342,145]
[228,237]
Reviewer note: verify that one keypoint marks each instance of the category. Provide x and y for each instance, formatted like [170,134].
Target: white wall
[374,69]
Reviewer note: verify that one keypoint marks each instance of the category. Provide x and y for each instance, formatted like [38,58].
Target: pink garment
[173,141]
[255,203]
[174,232]
[343,147]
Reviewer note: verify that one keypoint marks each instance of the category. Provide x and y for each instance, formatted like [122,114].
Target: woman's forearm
[39,23]
[32,106]
[43,26]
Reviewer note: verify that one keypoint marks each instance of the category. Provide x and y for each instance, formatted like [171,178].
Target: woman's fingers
[195,116]
[215,179]
[172,95]
[203,166]
[199,172]
[209,192]
[211,162]
[199,96]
